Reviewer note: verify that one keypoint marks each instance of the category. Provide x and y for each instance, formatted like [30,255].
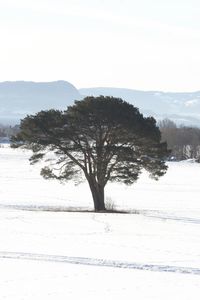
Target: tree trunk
[97,191]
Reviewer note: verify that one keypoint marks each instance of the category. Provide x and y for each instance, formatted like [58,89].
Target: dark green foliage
[103,138]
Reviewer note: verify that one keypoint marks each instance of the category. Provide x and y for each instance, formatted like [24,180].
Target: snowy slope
[153,254]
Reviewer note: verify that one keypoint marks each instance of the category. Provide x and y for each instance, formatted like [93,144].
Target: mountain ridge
[19,98]
[185,105]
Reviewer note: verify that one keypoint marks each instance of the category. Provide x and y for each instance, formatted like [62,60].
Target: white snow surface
[47,252]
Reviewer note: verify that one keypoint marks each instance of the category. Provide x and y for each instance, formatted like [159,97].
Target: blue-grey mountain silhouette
[17,99]
[184,108]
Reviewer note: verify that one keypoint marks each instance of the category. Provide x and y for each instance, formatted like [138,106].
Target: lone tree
[103,138]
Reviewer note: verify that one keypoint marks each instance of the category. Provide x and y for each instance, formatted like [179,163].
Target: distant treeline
[183,141]
[7,131]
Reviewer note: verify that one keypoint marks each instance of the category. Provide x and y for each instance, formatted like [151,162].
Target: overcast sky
[139,44]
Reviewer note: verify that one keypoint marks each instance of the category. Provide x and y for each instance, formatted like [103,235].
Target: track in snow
[98,262]
[166,217]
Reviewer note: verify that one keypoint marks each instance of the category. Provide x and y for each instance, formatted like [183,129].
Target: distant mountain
[184,108]
[17,99]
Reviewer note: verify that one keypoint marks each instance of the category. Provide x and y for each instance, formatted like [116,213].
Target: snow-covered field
[151,254]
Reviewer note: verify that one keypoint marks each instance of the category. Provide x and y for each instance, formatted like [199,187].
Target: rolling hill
[17,99]
[183,108]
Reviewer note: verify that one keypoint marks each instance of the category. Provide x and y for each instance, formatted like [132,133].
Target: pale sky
[138,44]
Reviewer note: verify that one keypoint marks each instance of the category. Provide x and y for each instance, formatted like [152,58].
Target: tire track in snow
[98,262]
[178,219]
[167,217]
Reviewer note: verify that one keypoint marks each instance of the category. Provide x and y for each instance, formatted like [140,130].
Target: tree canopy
[100,138]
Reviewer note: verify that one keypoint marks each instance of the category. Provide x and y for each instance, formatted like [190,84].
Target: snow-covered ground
[151,254]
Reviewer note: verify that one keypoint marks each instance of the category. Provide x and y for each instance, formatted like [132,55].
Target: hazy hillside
[181,107]
[19,98]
